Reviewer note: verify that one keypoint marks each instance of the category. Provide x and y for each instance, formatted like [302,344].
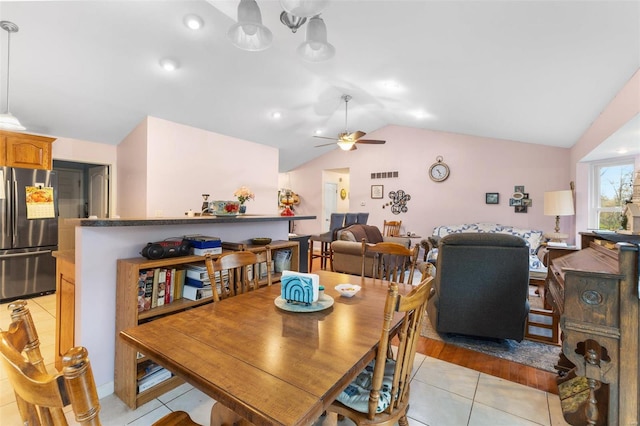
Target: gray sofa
[481,286]
[347,249]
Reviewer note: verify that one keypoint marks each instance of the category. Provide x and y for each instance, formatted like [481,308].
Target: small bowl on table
[260,241]
[347,290]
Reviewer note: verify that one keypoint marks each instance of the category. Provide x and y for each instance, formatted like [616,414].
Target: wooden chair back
[238,272]
[413,307]
[391,228]
[391,261]
[41,396]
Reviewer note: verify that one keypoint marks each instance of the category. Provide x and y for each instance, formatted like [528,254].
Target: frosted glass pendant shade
[315,47]
[9,122]
[346,145]
[249,33]
[304,8]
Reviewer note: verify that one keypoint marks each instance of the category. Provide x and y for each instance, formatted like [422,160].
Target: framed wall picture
[492,198]
[377,191]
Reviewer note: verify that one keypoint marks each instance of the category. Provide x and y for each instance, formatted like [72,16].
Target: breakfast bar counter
[99,243]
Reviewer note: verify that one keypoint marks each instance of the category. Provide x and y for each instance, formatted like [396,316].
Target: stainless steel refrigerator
[27,267]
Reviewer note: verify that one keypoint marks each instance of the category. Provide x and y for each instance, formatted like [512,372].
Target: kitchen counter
[246,218]
[99,243]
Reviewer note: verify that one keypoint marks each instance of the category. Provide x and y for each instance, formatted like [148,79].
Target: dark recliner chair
[481,286]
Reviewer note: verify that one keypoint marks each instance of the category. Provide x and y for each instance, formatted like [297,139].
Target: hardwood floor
[508,370]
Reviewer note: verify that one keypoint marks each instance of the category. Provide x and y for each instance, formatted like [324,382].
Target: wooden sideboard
[595,293]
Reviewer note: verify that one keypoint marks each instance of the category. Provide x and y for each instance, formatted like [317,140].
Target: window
[612,186]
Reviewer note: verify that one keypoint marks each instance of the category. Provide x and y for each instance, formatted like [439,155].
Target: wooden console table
[595,290]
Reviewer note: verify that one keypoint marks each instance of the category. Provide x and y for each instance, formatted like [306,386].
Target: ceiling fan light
[346,145]
[315,47]
[9,122]
[291,21]
[304,8]
[249,33]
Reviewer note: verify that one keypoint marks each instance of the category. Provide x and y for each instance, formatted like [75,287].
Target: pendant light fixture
[249,33]
[304,8]
[293,22]
[315,47]
[7,120]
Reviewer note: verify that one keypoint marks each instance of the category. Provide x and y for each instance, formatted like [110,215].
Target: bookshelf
[127,315]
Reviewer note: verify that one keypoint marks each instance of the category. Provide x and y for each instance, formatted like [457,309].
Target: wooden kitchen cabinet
[65,303]
[25,151]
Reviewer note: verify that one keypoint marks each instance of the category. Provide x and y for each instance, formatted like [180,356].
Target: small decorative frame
[377,191]
[520,209]
[492,198]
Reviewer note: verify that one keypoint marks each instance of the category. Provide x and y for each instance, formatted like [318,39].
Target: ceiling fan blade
[357,134]
[371,141]
[353,148]
[324,137]
[325,144]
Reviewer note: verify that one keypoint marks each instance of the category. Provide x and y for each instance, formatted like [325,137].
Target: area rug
[527,352]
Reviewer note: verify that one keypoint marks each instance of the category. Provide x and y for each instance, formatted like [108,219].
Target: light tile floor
[442,394]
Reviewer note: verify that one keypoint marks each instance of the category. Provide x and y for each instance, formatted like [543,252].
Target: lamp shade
[249,33]
[346,145]
[558,203]
[303,8]
[315,47]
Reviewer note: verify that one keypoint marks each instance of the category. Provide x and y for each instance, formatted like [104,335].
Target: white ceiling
[529,71]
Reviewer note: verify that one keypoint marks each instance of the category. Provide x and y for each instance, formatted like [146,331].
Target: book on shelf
[153,379]
[196,272]
[148,288]
[154,291]
[179,277]
[196,293]
[142,277]
[162,286]
[197,283]
[147,368]
[168,293]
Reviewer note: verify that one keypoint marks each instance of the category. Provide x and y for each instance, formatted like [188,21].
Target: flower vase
[243,209]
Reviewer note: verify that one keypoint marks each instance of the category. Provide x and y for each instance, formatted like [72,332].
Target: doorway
[83,189]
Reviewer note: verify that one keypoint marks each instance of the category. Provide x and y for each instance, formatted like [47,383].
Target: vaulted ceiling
[529,71]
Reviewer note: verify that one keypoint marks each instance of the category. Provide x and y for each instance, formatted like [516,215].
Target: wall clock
[343,193]
[439,171]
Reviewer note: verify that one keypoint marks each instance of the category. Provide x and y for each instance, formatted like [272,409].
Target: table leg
[223,416]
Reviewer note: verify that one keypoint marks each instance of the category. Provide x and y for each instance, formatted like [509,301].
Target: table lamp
[558,203]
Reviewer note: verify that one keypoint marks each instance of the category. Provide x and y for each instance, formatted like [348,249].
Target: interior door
[330,203]
[99,191]
[70,190]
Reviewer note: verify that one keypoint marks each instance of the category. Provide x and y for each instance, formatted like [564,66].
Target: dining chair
[380,393]
[41,396]
[238,272]
[391,261]
[391,228]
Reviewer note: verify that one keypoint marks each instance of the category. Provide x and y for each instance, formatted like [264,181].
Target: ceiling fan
[347,141]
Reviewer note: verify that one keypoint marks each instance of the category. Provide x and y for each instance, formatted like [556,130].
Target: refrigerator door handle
[31,253]
[7,214]
[15,206]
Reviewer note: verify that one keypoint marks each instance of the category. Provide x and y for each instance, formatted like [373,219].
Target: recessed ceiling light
[169,64]
[391,85]
[421,115]
[318,132]
[276,115]
[193,22]
[622,151]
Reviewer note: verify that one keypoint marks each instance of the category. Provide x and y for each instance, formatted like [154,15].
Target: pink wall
[478,165]
[169,165]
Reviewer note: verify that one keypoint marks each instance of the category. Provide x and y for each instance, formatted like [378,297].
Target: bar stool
[350,219]
[336,222]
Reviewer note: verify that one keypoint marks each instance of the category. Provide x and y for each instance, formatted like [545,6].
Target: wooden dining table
[269,365]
